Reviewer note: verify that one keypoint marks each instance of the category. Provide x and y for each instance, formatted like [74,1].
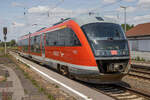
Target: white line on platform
[64,85]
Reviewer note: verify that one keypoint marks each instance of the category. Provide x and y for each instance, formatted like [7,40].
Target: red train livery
[90,49]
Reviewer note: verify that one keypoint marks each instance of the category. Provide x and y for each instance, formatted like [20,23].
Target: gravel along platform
[51,90]
[15,85]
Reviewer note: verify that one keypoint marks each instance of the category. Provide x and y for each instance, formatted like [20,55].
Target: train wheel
[64,70]
[71,76]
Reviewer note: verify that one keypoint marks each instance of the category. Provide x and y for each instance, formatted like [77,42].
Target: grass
[41,89]
[34,82]
[1,50]
[138,59]
[56,86]
[26,65]
[50,97]
[17,68]
[25,91]
[4,80]
[26,75]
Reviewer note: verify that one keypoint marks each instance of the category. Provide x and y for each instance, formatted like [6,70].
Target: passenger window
[24,44]
[35,43]
[62,37]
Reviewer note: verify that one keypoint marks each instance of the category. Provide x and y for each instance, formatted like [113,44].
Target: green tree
[2,44]
[128,26]
[12,42]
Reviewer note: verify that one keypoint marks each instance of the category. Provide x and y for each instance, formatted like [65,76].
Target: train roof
[92,19]
[82,20]
[85,20]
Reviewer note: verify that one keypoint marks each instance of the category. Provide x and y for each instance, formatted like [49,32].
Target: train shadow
[115,88]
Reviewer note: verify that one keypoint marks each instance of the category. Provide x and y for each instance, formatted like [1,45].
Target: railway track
[118,92]
[144,67]
[140,72]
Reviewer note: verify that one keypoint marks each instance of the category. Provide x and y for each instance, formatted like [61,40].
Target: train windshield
[104,37]
[103,31]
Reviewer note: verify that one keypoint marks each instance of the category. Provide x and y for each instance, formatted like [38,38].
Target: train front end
[111,51]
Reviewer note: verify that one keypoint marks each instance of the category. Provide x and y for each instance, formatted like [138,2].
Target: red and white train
[89,49]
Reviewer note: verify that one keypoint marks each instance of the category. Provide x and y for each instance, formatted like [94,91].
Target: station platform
[74,88]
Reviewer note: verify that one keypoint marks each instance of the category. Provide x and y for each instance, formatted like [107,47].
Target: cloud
[110,16]
[54,12]
[142,18]
[128,9]
[131,9]
[38,9]
[129,0]
[141,6]
[45,10]
[37,18]
[16,4]
[144,3]
[16,24]
[139,19]
[109,1]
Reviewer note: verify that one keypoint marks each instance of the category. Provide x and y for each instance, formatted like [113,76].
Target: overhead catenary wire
[107,5]
[102,6]
[55,6]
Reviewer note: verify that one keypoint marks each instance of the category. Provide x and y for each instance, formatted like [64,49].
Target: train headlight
[108,53]
[124,52]
[100,53]
[127,52]
[97,53]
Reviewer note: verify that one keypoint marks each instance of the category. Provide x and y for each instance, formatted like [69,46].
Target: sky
[24,16]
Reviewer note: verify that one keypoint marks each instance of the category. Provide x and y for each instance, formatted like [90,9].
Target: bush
[139,59]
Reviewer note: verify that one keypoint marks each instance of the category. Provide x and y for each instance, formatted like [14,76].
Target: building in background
[139,41]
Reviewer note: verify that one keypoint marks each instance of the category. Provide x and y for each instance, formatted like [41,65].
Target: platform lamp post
[125,27]
[5,38]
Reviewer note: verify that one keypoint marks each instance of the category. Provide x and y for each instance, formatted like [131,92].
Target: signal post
[5,33]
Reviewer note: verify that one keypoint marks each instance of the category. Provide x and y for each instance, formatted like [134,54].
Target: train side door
[43,47]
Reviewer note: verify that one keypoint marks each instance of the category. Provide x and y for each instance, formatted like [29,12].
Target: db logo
[75,51]
[55,53]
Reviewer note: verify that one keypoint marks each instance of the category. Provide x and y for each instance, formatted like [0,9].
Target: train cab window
[70,38]
[62,37]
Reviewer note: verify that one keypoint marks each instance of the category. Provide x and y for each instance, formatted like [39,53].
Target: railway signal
[5,31]
[5,37]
